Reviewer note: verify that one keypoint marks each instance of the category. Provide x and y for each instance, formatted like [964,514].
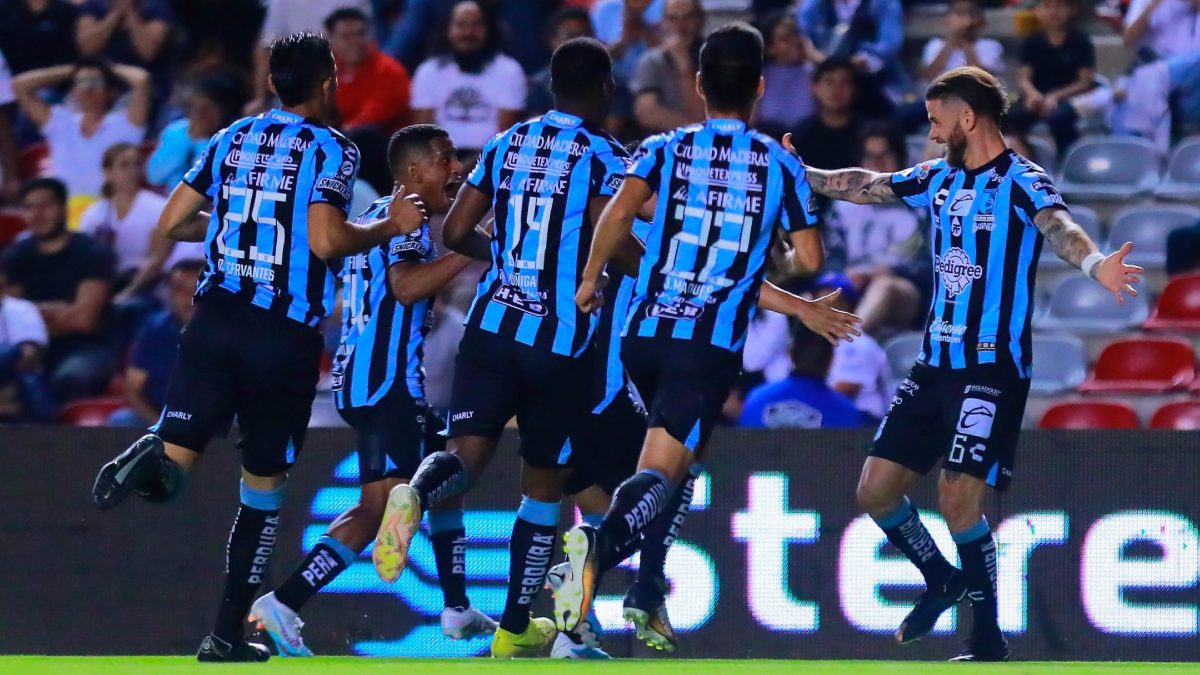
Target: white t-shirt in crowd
[467,105]
[76,159]
[1174,27]
[886,234]
[21,322]
[766,350]
[285,17]
[129,237]
[989,51]
[863,362]
[6,90]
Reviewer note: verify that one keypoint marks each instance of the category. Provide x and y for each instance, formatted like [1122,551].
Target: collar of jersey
[724,126]
[562,119]
[279,115]
[990,164]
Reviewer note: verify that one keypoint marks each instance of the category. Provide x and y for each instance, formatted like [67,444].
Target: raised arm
[852,185]
[1072,243]
[331,236]
[138,110]
[26,86]
[460,231]
[413,281]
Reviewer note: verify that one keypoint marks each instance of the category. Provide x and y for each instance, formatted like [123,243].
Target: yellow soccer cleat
[534,642]
[401,519]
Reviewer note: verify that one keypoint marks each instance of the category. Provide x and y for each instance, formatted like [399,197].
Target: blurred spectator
[220,31]
[441,345]
[1159,29]
[411,38]
[1164,90]
[664,87]
[860,369]
[787,99]
[470,88]
[629,28]
[285,17]
[1057,63]
[69,277]
[802,400]
[211,105]
[1183,250]
[828,138]
[881,247]
[373,92]
[37,33]
[124,31]
[23,342]
[566,24]
[963,44]
[155,347]
[867,33]
[10,185]
[78,135]
[765,356]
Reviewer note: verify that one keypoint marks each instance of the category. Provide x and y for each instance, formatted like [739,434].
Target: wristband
[1089,263]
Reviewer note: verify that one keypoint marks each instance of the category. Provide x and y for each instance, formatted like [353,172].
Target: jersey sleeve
[914,184]
[201,177]
[413,247]
[481,177]
[336,170]
[608,173]
[799,208]
[1038,190]
[648,161]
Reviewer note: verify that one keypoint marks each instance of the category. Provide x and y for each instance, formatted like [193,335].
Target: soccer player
[963,401]
[722,189]
[525,349]
[379,388]
[279,185]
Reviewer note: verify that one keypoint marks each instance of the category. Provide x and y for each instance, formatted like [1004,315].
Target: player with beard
[379,388]
[963,400]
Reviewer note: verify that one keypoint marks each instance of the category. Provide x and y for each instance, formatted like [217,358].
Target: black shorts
[968,419]
[239,360]
[682,384]
[394,435]
[497,378]
[606,447]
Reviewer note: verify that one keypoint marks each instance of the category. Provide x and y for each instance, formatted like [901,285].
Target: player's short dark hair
[300,62]
[579,68]
[811,354]
[54,186]
[344,14]
[830,65]
[412,139]
[188,266]
[731,64]
[976,87]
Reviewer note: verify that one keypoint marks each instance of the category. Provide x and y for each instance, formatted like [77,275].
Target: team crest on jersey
[956,270]
[985,216]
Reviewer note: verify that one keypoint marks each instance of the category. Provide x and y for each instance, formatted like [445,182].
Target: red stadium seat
[1178,307]
[1181,415]
[1144,365]
[34,161]
[11,224]
[1089,415]
[90,412]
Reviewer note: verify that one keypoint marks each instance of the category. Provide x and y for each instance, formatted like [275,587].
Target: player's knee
[873,499]
[958,508]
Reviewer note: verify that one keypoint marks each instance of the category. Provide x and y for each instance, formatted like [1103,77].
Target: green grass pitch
[168,665]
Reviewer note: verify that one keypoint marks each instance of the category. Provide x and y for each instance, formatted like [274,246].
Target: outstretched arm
[852,185]
[819,315]
[1072,243]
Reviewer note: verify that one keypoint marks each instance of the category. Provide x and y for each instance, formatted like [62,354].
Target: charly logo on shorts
[975,417]
[956,270]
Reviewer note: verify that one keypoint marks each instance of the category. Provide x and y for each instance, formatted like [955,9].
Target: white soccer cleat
[281,624]
[573,597]
[464,624]
[401,519]
[566,648]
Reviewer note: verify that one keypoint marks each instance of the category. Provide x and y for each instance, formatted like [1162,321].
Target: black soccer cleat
[992,648]
[929,607]
[127,471]
[215,650]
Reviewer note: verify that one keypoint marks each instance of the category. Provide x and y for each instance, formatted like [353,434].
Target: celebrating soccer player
[279,185]
[524,352]
[722,189]
[963,401]
[379,389]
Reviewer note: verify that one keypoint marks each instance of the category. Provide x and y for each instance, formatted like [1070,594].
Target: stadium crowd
[104,104]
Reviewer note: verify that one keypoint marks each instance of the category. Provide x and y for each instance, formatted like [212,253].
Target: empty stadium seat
[1088,220]
[1111,168]
[1181,416]
[1143,365]
[1089,415]
[902,351]
[1044,153]
[1178,307]
[90,412]
[1080,305]
[1182,180]
[1147,227]
[12,223]
[1060,363]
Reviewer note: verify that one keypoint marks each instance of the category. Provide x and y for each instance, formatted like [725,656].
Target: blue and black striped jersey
[722,191]
[614,312]
[382,340]
[262,173]
[985,252]
[541,175]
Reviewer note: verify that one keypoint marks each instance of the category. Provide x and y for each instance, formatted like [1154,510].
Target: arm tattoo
[853,185]
[1070,241]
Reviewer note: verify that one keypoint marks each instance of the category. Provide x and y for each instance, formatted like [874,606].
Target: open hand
[1118,276]
[405,213]
[822,318]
